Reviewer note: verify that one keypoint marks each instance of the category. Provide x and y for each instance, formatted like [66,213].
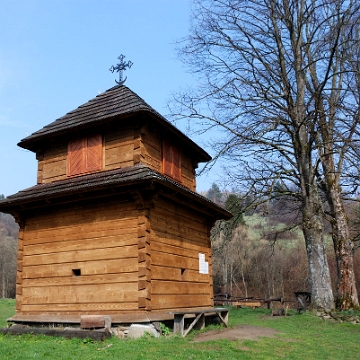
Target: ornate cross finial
[120,68]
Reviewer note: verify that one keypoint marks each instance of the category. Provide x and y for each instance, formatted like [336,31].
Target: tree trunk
[3,284]
[313,228]
[225,287]
[321,292]
[244,282]
[346,296]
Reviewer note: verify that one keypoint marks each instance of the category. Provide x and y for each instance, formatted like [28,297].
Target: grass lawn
[302,337]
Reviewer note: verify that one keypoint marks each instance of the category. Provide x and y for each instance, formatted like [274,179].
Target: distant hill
[8,225]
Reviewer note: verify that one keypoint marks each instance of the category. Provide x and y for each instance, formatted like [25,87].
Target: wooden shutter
[171,158]
[85,155]
[166,157]
[176,160]
[76,157]
[94,153]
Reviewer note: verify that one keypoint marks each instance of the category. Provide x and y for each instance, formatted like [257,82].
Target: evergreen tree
[214,194]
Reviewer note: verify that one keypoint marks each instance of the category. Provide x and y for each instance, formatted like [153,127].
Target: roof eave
[15,204]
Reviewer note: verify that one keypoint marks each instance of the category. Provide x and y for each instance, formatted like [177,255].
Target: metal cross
[120,68]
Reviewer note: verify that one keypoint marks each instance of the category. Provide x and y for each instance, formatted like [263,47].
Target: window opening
[76,272]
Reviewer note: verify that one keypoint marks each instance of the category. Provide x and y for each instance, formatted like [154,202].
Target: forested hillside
[262,253]
[8,254]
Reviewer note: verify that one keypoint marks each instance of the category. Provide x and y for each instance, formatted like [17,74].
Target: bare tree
[222,237]
[250,264]
[274,79]
[8,257]
[8,254]
[335,90]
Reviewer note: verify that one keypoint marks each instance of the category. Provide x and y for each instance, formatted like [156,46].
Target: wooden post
[224,316]
[179,324]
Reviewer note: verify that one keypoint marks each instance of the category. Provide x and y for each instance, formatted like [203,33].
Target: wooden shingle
[118,102]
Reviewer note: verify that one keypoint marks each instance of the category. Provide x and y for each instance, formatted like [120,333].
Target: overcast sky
[55,55]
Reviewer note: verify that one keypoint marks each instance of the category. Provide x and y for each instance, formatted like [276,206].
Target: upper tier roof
[117,102]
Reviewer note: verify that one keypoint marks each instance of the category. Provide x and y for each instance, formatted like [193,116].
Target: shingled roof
[88,185]
[117,102]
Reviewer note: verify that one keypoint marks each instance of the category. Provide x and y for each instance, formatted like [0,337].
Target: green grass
[258,225]
[7,309]
[302,337]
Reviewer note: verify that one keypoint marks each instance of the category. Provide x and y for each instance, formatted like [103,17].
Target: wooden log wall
[123,147]
[151,148]
[118,153]
[151,156]
[178,235]
[52,164]
[119,149]
[79,259]
[144,255]
[188,172]
[19,270]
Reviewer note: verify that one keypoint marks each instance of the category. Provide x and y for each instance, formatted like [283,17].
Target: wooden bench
[253,304]
[199,320]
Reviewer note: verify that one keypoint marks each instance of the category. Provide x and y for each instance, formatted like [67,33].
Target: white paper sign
[203,265]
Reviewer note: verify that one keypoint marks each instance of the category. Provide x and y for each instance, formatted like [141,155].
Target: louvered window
[85,155]
[171,160]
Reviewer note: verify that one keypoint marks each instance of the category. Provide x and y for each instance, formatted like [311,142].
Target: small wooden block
[92,321]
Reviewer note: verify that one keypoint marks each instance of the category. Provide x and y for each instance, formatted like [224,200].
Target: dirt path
[241,332]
